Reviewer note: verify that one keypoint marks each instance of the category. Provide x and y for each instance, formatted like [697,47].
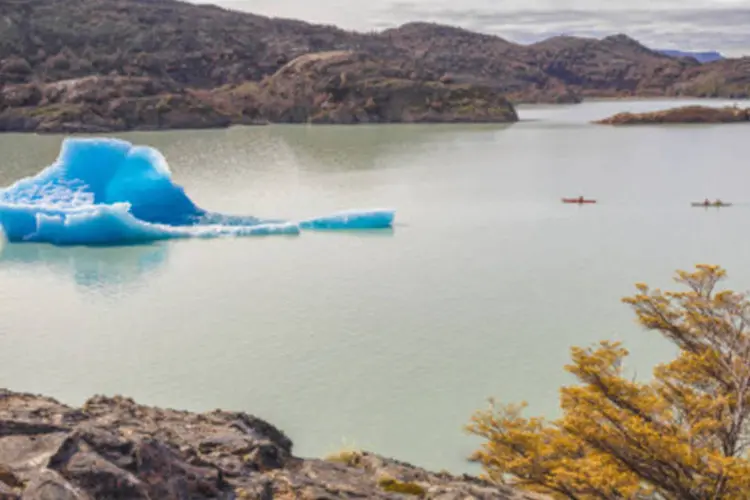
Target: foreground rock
[685,114]
[115,448]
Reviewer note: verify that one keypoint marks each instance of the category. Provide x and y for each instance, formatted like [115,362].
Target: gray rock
[48,485]
[113,448]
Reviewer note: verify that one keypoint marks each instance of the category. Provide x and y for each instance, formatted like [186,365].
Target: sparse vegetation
[682,436]
[211,67]
[172,64]
[349,457]
[203,46]
[393,485]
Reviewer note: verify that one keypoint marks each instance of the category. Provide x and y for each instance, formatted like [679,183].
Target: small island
[683,114]
[115,448]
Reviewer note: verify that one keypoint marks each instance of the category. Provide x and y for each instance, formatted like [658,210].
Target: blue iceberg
[111,192]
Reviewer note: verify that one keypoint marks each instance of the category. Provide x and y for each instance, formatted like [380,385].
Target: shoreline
[114,445]
[485,124]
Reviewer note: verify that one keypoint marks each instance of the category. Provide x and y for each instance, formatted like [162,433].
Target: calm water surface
[385,341]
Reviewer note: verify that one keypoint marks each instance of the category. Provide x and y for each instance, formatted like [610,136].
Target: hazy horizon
[689,25]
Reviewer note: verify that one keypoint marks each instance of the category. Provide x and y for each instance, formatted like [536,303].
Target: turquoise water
[382,340]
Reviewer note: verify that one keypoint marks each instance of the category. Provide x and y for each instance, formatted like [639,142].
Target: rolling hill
[200,53]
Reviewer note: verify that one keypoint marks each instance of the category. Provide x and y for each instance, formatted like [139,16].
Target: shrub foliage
[683,435]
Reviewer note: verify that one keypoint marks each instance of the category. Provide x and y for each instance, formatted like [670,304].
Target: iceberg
[103,191]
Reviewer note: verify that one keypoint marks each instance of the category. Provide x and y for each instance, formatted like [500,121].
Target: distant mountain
[702,57]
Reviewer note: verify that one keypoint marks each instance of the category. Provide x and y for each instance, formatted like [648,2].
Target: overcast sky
[722,25]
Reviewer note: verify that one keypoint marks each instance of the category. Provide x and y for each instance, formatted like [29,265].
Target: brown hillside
[206,46]
[222,66]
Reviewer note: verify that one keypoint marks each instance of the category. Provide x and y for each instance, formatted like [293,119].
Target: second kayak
[577,200]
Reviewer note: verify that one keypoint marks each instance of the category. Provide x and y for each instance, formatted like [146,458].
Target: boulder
[115,448]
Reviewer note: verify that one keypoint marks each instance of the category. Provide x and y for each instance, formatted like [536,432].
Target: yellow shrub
[681,436]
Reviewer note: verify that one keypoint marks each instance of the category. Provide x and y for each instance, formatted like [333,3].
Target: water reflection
[90,267]
[385,232]
[369,147]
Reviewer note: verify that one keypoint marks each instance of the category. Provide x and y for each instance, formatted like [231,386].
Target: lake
[380,340]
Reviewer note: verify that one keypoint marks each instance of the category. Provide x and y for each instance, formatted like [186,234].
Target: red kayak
[577,200]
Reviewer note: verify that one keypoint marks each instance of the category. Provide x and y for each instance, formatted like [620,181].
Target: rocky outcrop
[684,114]
[115,448]
[104,104]
[341,87]
[345,87]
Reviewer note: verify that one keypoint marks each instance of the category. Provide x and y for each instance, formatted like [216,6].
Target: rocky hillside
[199,57]
[340,87]
[115,448]
[103,104]
[352,87]
[51,40]
[206,46]
[709,56]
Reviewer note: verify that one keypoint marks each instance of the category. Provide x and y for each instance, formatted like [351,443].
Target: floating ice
[110,192]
